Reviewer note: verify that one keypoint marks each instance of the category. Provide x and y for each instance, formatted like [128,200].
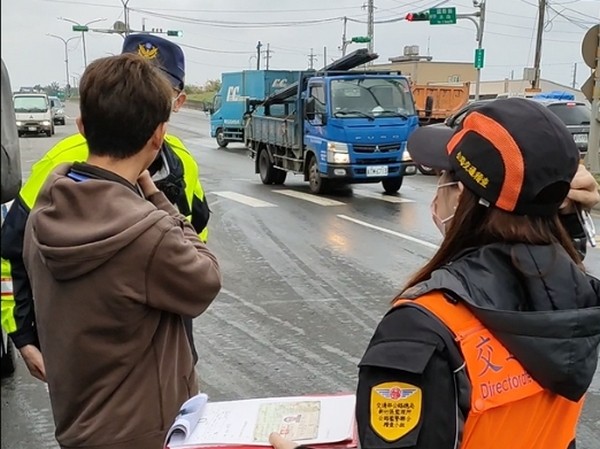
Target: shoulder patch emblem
[395,409]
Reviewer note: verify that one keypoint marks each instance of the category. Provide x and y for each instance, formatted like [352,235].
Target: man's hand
[584,191]
[147,184]
[34,361]
[278,442]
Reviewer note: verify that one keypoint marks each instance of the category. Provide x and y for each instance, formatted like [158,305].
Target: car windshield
[371,97]
[55,101]
[572,113]
[31,104]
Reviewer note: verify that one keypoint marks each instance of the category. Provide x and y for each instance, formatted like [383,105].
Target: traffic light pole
[479,25]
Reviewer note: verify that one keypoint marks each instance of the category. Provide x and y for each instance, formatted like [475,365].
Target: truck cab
[358,125]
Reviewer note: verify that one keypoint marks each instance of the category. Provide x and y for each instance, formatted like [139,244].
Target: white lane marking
[389,231]
[382,197]
[310,198]
[244,199]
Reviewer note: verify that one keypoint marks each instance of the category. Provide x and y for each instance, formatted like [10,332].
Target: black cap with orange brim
[513,153]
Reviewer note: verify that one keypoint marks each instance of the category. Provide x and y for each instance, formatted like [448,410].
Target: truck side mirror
[428,106]
[309,109]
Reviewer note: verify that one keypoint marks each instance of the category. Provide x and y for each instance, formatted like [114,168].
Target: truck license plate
[377,170]
[32,128]
[580,138]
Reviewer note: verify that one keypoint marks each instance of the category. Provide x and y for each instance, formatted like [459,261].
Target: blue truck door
[314,137]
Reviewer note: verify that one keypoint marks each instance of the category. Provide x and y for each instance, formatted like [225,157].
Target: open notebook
[310,420]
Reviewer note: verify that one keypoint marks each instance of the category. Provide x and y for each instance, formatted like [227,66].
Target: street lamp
[65,41]
[83,29]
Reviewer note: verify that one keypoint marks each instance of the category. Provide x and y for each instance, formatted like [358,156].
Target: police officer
[175,172]
[494,342]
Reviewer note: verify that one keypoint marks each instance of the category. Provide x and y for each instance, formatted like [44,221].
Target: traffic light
[176,33]
[361,39]
[418,16]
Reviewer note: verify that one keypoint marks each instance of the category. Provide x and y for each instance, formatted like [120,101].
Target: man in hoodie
[114,267]
[175,172]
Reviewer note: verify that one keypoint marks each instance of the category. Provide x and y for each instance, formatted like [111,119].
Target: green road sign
[361,39]
[442,16]
[80,28]
[479,58]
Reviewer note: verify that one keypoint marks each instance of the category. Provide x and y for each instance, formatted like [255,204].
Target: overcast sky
[221,27]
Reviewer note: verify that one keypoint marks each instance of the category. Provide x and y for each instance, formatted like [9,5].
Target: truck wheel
[428,171]
[265,168]
[221,141]
[7,366]
[392,185]
[316,182]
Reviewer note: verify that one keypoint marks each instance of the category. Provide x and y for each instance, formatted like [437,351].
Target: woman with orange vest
[494,342]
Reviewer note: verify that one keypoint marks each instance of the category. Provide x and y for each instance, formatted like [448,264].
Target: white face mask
[439,221]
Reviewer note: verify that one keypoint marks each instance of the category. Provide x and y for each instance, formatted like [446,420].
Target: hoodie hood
[73,225]
[537,303]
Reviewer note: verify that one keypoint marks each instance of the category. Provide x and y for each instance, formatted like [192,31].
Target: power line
[212,50]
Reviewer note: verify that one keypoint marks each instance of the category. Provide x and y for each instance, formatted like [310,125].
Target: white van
[33,113]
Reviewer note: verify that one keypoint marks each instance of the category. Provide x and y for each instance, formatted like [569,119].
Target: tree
[53,88]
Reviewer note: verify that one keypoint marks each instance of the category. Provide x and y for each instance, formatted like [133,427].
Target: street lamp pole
[82,33]
[65,42]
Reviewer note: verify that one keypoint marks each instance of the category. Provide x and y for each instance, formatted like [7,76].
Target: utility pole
[311,59]
[480,45]
[371,24]
[267,56]
[65,42]
[258,47]
[574,82]
[535,84]
[325,56]
[344,41]
[126,17]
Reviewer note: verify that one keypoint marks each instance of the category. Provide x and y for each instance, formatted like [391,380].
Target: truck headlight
[46,123]
[337,153]
[406,156]
[19,123]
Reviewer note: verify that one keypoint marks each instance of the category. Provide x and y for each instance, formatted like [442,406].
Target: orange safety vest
[509,409]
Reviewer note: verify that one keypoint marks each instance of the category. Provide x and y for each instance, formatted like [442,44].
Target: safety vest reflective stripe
[7,287]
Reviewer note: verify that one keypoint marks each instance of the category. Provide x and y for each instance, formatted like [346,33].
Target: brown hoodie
[112,274]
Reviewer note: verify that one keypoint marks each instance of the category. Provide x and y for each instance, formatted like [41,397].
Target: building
[423,70]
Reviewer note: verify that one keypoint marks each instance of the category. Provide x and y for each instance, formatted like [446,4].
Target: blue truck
[335,126]
[230,103]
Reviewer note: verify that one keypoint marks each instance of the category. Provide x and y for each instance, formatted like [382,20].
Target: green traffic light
[176,33]
[361,39]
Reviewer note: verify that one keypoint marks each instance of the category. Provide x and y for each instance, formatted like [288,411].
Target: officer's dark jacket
[546,313]
[181,186]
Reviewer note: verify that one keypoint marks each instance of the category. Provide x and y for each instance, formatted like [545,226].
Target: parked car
[575,115]
[58,108]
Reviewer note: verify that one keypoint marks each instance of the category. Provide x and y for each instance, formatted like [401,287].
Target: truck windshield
[30,104]
[371,97]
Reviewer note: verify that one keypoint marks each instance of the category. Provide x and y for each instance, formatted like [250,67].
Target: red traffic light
[417,16]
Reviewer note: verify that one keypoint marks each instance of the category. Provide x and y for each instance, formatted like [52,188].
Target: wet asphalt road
[306,279]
